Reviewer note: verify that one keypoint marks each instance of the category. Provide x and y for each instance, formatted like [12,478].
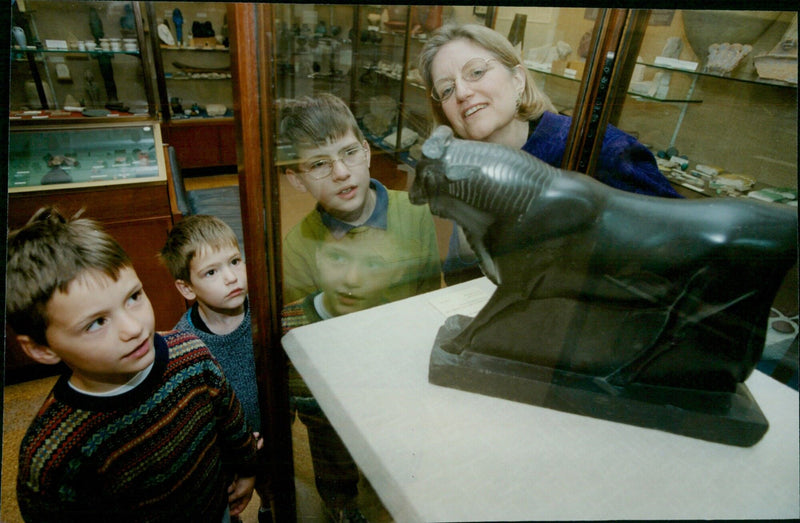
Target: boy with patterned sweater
[202,254]
[145,427]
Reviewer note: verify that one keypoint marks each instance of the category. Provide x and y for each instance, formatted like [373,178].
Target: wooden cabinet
[203,143]
[79,60]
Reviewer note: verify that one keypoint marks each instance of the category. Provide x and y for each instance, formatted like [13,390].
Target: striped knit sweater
[164,451]
[296,314]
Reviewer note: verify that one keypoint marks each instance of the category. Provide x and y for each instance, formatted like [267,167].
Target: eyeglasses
[323,167]
[472,71]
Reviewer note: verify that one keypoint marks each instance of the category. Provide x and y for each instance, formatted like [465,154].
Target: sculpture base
[722,417]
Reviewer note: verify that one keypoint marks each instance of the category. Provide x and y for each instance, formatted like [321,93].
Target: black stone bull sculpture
[650,311]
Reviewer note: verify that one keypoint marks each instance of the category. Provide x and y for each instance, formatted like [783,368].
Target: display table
[439,454]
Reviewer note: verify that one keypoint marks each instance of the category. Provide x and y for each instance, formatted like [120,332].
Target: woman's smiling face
[481,110]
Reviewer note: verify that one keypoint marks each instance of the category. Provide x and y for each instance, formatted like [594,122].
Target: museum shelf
[87,59]
[687,105]
[745,128]
[194,80]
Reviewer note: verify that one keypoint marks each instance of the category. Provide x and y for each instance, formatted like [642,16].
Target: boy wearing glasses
[344,257]
[334,169]
[355,272]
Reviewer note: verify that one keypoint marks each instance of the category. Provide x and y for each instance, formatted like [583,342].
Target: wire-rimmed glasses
[472,71]
[320,168]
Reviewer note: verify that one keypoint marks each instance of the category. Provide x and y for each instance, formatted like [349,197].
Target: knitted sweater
[296,314]
[624,163]
[234,352]
[412,224]
[163,451]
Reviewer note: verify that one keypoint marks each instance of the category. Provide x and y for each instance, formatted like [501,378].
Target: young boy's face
[102,329]
[344,192]
[218,279]
[354,275]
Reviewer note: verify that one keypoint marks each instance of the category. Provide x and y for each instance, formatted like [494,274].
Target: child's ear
[185,289]
[35,351]
[295,181]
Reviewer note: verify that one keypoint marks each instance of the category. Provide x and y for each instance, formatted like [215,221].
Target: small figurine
[95,24]
[91,89]
[177,19]
[127,22]
[177,108]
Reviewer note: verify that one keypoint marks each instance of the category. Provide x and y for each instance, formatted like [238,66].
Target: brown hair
[533,103]
[314,121]
[189,237]
[45,256]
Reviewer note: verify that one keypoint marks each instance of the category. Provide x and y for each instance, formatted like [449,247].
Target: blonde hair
[191,236]
[533,102]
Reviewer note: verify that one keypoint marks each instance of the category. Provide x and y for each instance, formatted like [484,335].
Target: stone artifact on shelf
[642,310]
[724,58]
[382,115]
[781,62]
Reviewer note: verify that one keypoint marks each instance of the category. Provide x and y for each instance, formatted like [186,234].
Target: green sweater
[412,224]
[164,451]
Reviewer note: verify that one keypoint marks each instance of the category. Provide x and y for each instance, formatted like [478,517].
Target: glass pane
[375,74]
[83,55]
[713,88]
[358,54]
[48,159]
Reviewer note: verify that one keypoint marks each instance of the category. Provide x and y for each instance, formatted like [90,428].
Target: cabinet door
[203,144]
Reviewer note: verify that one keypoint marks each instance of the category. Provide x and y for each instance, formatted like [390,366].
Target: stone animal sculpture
[645,310]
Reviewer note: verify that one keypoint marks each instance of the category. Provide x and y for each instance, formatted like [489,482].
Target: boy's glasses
[471,73]
[323,167]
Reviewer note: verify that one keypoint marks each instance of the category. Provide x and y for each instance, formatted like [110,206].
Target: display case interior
[392,106]
[192,39]
[696,98]
[77,59]
[51,159]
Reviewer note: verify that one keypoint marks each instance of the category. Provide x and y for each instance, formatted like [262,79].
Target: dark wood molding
[250,29]
[615,42]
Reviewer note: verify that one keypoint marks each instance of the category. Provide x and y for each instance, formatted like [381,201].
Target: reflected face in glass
[354,274]
[343,193]
[102,329]
[218,279]
[480,106]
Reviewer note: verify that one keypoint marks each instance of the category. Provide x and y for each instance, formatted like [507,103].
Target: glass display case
[314,46]
[193,71]
[56,158]
[673,110]
[194,54]
[391,107]
[717,126]
[73,60]
[732,127]
[366,55]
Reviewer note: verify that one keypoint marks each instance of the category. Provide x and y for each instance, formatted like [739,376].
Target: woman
[479,86]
